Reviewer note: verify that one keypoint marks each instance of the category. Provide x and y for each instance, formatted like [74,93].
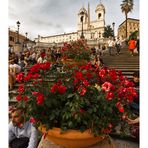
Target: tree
[134,35]
[126,7]
[108,31]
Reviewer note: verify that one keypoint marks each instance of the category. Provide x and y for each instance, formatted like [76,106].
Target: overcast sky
[51,17]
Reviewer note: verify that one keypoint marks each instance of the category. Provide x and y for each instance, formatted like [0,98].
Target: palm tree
[108,31]
[126,7]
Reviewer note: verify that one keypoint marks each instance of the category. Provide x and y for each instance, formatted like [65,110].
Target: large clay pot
[73,63]
[70,138]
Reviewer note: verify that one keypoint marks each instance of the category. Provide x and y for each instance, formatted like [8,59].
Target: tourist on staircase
[132,46]
[111,45]
[118,46]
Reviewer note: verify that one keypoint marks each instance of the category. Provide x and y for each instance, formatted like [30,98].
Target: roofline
[128,19]
[58,35]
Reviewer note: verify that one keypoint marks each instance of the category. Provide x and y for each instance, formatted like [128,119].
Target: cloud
[49,17]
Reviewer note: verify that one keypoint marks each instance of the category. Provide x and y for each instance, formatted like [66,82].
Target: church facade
[90,30]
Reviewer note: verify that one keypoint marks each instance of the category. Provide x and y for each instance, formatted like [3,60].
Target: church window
[11,38]
[99,15]
[81,19]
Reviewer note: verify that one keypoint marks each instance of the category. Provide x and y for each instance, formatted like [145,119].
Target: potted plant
[84,98]
[75,53]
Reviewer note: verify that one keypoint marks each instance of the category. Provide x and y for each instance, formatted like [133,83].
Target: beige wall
[132,26]
[13,36]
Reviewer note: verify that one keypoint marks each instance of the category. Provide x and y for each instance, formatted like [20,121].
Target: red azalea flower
[32,120]
[21,88]
[25,98]
[107,86]
[79,75]
[35,93]
[40,99]
[28,77]
[88,75]
[35,68]
[62,89]
[18,97]
[45,66]
[82,90]
[54,88]
[109,96]
[118,104]
[20,77]
[102,73]
[86,83]
[35,76]
[127,83]
[121,109]
[113,75]
[75,82]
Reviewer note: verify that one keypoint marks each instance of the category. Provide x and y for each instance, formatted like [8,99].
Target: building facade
[13,38]
[132,26]
[92,30]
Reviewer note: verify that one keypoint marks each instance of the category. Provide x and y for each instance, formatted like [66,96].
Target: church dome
[82,10]
[100,7]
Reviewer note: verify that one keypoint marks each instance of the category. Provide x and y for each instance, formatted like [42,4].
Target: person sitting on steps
[22,134]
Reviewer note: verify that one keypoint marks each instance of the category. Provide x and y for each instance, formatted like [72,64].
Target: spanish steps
[124,62]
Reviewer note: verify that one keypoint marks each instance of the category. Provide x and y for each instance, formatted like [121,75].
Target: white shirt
[16,66]
[110,43]
[28,130]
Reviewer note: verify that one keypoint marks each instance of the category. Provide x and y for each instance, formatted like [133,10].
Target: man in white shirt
[22,134]
[110,45]
[118,45]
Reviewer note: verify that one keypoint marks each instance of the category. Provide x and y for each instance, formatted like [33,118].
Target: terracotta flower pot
[71,138]
[72,62]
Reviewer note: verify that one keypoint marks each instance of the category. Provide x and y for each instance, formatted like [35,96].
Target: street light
[99,34]
[18,25]
[26,35]
[113,24]
[82,35]
[26,38]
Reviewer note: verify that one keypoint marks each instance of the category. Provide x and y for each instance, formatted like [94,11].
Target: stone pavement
[115,143]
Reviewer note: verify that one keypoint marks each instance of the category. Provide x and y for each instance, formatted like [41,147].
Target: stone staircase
[125,62]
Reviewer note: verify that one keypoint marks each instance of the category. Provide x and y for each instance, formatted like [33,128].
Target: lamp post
[82,35]
[99,34]
[18,25]
[113,24]
[26,38]
[26,35]
[9,35]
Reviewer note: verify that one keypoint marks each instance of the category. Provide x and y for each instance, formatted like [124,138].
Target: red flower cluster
[58,87]
[82,95]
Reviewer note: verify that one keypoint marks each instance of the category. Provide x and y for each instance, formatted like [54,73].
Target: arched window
[99,15]
[81,19]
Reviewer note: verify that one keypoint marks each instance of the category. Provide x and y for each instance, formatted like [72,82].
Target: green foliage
[80,97]
[108,31]
[76,50]
[134,35]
